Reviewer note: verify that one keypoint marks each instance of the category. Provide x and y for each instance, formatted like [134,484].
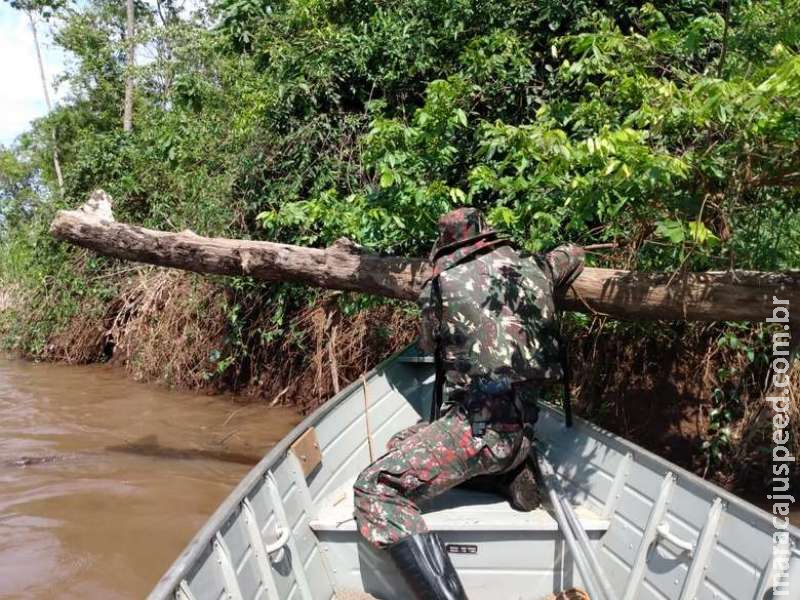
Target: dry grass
[8,298]
[161,325]
[328,351]
[82,339]
[166,326]
[174,327]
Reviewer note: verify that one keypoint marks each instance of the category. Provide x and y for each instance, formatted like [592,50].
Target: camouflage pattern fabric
[497,333]
[426,462]
[402,435]
[497,316]
[460,226]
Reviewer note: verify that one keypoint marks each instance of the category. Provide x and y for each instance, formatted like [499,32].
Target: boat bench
[489,543]
[455,510]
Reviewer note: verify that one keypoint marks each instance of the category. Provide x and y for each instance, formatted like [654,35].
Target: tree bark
[127,115]
[56,162]
[711,296]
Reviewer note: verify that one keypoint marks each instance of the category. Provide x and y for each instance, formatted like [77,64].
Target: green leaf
[457,195]
[700,234]
[611,167]
[672,230]
[387,179]
[502,216]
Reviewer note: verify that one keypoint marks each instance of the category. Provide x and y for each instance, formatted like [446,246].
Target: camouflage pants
[425,461]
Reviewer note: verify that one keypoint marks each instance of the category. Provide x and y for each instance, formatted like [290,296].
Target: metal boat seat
[456,510]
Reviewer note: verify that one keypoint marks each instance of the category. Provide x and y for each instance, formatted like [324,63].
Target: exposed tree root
[684,395]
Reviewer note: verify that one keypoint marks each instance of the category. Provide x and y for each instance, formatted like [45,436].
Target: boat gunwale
[728,497]
[171,579]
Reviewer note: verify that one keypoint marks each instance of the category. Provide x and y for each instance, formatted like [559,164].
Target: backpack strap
[566,378]
[438,385]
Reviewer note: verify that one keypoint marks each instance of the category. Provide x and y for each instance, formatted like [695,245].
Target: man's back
[497,317]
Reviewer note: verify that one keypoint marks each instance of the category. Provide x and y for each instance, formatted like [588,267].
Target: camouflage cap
[458,227]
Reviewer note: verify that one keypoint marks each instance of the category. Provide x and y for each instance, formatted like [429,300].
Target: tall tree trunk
[56,162]
[127,116]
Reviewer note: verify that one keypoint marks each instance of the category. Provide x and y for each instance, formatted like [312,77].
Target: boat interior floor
[345,594]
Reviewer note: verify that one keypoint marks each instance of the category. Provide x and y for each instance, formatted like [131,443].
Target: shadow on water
[150,446]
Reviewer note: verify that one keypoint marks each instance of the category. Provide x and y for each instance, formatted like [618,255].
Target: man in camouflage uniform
[489,317]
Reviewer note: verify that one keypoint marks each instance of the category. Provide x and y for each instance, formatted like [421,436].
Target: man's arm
[429,322]
[566,263]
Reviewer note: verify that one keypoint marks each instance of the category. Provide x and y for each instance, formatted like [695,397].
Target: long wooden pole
[710,296]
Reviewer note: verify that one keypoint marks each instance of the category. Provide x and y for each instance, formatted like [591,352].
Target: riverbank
[281,344]
[692,393]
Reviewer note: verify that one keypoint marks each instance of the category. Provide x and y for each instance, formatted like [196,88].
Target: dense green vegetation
[671,127]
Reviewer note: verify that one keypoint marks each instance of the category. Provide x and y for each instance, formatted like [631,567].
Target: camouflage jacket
[497,318]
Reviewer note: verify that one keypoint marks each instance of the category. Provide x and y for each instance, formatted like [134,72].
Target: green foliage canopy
[670,127]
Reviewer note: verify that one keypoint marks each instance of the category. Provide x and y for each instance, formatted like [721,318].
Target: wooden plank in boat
[306,449]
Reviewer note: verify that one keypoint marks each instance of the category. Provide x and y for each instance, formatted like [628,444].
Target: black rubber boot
[423,561]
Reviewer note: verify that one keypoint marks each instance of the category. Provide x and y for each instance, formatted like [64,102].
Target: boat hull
[658,532]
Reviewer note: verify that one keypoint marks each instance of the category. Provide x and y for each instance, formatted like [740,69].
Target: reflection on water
[104,481]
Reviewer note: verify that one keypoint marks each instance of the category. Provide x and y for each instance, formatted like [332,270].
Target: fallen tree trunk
[711,296]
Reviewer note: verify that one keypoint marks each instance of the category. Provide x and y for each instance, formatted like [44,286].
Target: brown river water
[104,481]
